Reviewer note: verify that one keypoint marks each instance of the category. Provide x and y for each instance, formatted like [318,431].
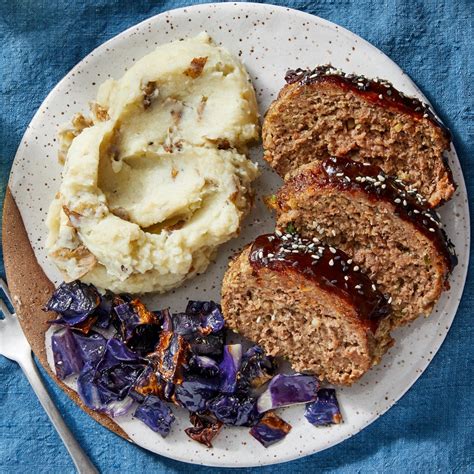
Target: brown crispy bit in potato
[195,68]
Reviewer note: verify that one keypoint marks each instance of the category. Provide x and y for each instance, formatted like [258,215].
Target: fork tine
[4,309]
[4,287]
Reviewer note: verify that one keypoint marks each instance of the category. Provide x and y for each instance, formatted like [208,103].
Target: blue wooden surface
[431,428]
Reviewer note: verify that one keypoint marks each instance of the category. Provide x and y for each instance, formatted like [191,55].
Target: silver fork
[14,346]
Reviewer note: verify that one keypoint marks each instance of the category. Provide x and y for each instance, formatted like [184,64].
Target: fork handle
[81,461]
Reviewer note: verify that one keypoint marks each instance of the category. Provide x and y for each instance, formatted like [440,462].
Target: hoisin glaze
[346,174]
[329,268]
[378,91]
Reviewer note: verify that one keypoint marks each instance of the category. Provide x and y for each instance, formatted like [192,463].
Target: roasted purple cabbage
[325,409]
[235,409]
[156,414]
[72,350]
[157,357]
[204,365]
[74,302]
[205,428]
[256,369]
[196,392]
[270,429]
[229,367]
[284,390]
[67,357]
[139,328]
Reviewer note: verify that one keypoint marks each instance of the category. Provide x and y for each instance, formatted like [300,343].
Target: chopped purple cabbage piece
[170,357]
[204,365]
[284,390]
[256,369]
[92,346]
[211,345]
[156,415]
[74,302]
[104,310]
[205,428]
[165,317]
[229,367]
[66,353]
[195,392]
[186,324]
[270,429]
[71,350]
[325,409]
[209,313]
[139,328]
[234,409]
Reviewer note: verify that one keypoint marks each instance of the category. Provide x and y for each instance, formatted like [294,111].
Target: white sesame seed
[358,287]
[380,96]
[277,232]
[349,261]
[258,319]
[431,229]
[333,232]
[331,262]
[346,278]
[356,268]
[384,186]
[404,202]
[389,300]
[374,287]
[270,255]
[398,201]
[332,249]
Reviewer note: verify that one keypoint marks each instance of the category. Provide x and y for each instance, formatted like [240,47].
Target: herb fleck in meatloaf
[387,230]
[306,301]
[325,112]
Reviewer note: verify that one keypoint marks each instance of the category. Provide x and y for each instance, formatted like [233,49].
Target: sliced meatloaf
[300,299]
[323,112]
[386,229]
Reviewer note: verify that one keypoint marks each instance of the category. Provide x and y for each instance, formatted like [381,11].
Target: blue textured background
[431,428]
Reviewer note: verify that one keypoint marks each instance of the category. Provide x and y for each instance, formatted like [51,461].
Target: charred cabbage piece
[139,328]
[204,366]
[156,415]
[205,428]
[284,390]
[229,367]
[196,392]
[170,356]
[210,315]
[325,409]
[270,429]
[211,345]
[256,369]
[74,302]
[235,409]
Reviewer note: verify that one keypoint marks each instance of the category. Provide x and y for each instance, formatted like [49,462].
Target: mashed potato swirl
[158,178]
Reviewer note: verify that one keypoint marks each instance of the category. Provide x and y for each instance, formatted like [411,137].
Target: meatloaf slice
[386,229]
[300,299]
[325,112]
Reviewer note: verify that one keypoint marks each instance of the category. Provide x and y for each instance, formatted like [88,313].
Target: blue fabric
[431,428]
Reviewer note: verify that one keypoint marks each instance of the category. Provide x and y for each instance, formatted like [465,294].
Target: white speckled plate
[269,40]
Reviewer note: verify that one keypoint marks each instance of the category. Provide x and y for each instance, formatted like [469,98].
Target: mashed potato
[158,178]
